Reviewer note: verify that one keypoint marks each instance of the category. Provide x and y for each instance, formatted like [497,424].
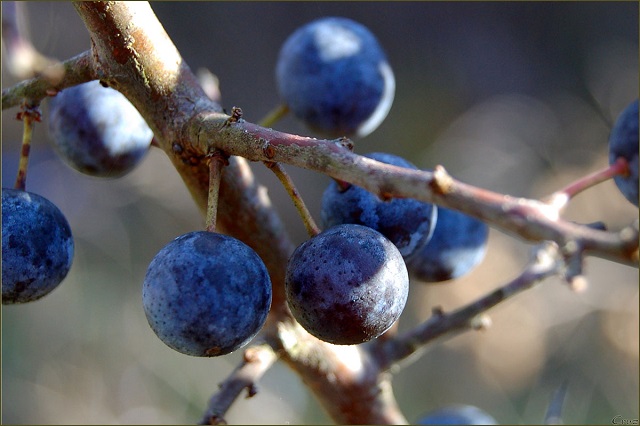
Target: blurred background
[516,97]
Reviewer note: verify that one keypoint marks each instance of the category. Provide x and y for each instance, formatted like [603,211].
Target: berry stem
[269,120]
[28,115]
[287,182]
[560,198]
[274,115]
[217,160]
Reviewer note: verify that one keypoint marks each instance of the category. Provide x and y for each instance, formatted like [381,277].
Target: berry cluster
[208,294]
[349,283]
[96,131]
[408,223]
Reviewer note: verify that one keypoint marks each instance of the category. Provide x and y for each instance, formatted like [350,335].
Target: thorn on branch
[234,117]
[345,142]
[437,311]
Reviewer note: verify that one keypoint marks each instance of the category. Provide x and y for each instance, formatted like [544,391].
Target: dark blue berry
[37,246]
[334,76]
[346,285]
[206,294]
[408,223]
[458,244]
[458,415]
[623,142]
[97,131]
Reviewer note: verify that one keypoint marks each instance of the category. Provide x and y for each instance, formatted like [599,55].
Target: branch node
[442,181]
[481,322]
[578,283]
[345,142]
[268,150]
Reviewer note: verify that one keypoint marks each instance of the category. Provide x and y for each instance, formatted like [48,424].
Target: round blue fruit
[334,76]
[206,294]
[37,246]
[97,131]
[458,244]
[458,415]
[623,142]
[346,285]
[406,222]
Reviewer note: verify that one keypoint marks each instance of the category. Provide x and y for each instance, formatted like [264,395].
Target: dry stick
[28,115]
[546,263]
[256,361]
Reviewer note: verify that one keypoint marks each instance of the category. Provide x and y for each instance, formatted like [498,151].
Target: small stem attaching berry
[342,185]
[287,182]
[274,116]
[561,198]
[28,115]
[217,160]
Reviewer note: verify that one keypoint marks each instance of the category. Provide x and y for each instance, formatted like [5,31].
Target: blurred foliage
[516,97]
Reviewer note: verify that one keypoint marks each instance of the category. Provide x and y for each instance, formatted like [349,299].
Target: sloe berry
[408,223]
[346,285]
[458,414]
[206,294]
[458,244]
[37,246]
[97,131]
[623,142]
[334,76]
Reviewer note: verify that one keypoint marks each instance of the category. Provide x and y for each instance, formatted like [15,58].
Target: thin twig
[546,262]
[256,361]
[529,219]
[71,72]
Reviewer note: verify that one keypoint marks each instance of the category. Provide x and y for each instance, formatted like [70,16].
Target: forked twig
[256,361]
